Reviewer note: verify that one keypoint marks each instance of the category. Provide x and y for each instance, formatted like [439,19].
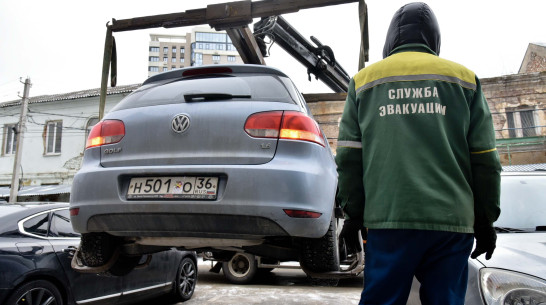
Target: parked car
[516,274]
[36,247]
[223,158]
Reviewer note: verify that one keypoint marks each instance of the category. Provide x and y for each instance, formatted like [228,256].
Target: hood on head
[413,23]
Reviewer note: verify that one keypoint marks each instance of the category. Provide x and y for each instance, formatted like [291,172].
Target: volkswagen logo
[180,123]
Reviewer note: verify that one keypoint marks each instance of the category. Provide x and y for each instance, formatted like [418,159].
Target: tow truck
[318,59]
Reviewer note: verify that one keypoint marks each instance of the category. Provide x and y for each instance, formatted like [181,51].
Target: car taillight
[74,211]
[106,132]
[298,126]
[290,125]
[264,124]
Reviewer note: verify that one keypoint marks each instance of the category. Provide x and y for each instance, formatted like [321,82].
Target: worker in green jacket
[418,167]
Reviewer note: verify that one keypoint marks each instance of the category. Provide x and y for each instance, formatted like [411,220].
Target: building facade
[203,46]
[54,137]
[168,52]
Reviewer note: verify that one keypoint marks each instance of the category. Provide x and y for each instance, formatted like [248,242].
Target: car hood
[520,252]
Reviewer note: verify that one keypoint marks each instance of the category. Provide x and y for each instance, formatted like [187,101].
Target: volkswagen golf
[223,159]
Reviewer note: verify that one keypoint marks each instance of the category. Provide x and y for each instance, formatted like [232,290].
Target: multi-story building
[203,46]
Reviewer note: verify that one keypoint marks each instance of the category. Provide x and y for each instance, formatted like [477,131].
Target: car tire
[319,255]
[185,281]
[241,268]
[97,249]
[45,290]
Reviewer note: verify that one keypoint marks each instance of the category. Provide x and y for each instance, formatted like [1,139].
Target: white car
[516,274]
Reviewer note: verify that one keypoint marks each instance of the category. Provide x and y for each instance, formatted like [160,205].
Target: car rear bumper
[250,203]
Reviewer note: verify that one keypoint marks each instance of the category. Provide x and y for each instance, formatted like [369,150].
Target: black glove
[349,235]
[486,238]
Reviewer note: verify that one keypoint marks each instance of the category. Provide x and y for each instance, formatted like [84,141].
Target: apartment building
[203,46]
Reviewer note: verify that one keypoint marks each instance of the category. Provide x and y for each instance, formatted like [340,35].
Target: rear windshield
[247,87]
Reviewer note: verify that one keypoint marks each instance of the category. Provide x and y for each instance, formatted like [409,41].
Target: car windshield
[523,203]
[245,87]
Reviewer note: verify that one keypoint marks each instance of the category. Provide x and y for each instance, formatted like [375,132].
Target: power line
[56,114]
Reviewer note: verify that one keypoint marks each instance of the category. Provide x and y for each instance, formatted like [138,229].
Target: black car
[37,243]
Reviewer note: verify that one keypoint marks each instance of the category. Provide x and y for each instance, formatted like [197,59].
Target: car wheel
[97,248]
[240,269]
[321,254]
[39,292]
[186,279]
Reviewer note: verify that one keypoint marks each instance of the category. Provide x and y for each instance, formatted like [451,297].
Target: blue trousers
[439,260]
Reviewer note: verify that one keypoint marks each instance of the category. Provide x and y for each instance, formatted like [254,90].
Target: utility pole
[19,146]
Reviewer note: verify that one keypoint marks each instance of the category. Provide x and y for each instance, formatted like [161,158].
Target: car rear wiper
[196,97]
[509,230]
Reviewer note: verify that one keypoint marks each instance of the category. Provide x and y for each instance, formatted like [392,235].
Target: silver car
[223,158]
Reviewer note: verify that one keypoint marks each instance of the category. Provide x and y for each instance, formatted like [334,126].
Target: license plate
[173,187]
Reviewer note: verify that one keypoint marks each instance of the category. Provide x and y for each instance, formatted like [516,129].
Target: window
[154,49]
[216,57]
[182,50]
[165,69]
[174,49]
[54,132]
[10,139]
[182,59]
[173,67]
[521,123]
[37,225]
[165,59]
[210,37]
[60,225]
[173,59]
[165,50]
[153,69]
[154,58]
[230,47]
[198,59]
[527,123]
[231,58]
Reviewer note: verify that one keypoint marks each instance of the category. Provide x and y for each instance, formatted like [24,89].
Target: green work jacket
[416,146]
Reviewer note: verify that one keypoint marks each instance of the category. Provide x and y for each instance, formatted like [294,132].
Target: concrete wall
[518,91]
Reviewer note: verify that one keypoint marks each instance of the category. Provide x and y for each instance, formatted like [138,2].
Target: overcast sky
[59,44]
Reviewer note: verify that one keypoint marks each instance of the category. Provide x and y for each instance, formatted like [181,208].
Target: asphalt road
[279,287]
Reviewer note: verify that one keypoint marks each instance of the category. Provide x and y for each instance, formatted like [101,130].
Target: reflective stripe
[349,144]
[483,151]
[450,79]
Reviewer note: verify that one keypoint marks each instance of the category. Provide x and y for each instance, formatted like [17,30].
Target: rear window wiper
[212,97]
